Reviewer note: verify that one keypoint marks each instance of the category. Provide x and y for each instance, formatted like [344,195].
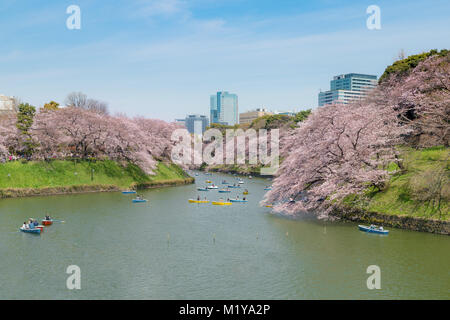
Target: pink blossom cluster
[342,150]
[79,133]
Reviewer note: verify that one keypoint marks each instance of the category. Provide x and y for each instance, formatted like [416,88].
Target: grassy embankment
[421,189]
[21,179]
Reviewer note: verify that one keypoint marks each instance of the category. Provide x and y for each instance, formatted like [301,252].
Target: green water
[169,249]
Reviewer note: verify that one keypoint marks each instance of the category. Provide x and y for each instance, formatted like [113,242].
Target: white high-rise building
[348,87]
[6,104]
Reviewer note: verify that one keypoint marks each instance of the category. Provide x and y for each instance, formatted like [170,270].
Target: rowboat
[224,191]
[47,222]
[238,200]
[245,192]
[208,181]
[268,188]
[240,182]
[212,187]
[139,200]
[224,182]
[128,192]
[234,186]
[373,229]
[198,201]
[35,230]
[221,203]
[268,206]
[202,189]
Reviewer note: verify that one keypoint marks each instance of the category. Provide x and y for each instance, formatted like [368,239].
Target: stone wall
[402,222]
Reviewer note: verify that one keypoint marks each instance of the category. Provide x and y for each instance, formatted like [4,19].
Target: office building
[249,116]
[196,123]
[348,87]
[7,104]
[224,108]
[181,122]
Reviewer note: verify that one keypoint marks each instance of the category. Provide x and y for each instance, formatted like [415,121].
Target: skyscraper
[347,87]
[224,108]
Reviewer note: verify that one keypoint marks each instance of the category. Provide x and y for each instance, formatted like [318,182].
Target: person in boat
[291,200]
[25,225]
[198,198]
[47,217]
[237,197]
[243,198]
[381,228]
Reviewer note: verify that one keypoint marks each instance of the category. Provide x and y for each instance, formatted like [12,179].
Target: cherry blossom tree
[345,149]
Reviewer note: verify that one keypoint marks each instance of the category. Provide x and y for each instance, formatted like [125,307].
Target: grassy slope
[398,199]
[69,173]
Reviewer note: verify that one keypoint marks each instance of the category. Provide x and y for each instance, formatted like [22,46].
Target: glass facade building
[196,123]
[224,108]
[347,87]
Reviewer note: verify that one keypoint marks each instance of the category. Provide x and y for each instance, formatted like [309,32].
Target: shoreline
[8,193]
[401,222]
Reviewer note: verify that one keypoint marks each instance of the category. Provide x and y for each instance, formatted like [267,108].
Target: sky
[164,58]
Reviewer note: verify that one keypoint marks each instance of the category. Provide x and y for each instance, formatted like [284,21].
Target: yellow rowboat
[221,203]
[268,206]
[198,201]
[208,181]
[244,192]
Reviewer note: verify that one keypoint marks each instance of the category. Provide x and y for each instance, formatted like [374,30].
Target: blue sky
[163,58]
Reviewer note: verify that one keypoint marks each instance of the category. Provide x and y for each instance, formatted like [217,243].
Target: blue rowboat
[202,189]
[35,230]
[269,188]
[129,192]
[238,200]
[373,229]
[224,191]
[139,200]
[234,186]
[224,182]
